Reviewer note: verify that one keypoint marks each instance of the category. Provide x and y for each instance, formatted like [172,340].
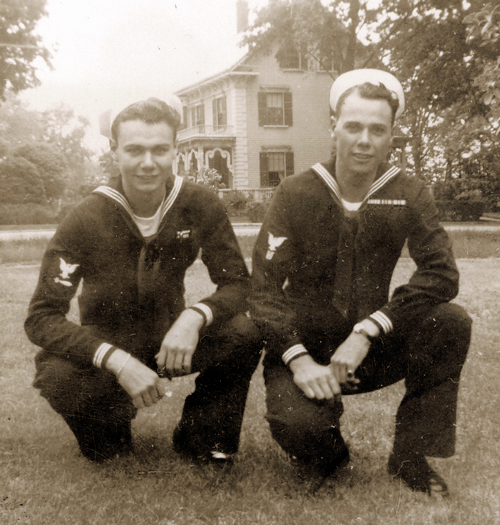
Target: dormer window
[289,57]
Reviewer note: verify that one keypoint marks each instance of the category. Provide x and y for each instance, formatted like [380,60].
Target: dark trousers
[99,411]
[429,358]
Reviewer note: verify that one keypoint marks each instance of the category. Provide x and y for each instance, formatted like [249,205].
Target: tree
[20,182]
[18,124]
[65,131]
[20,46]
[327,33]
[483,28]
[50,164]
[108,164]
[53,142]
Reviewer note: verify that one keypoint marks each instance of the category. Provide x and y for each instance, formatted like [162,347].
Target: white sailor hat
[360,76]
[107,118]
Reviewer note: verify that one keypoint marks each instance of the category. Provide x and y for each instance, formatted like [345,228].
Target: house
[259,121]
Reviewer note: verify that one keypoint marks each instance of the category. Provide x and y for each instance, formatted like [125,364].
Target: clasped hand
[323,382]
[141,383]
[180,343]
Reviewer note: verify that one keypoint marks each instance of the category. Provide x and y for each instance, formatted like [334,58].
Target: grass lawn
[466,244]
[44,480]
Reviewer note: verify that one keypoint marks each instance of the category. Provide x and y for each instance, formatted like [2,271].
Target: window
[197,115]
[289,57]
[274,167]
[184,118]
[326,63]
[275,108]
[219,107]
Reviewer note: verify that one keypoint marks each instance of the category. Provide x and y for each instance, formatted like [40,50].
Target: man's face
[144,153]
[363,132]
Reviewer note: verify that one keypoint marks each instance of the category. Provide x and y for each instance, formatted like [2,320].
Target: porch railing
[204,130]
[258,194]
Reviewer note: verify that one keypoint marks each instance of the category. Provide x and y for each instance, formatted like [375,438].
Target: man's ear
[112,146]
[333,125]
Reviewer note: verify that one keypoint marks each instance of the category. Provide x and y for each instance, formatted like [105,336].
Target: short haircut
[371,91]
[150,111]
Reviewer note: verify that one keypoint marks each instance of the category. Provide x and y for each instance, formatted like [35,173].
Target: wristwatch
[358,329]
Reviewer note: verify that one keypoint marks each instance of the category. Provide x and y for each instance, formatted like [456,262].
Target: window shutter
[224,111]
[288,109]
[214,112]
[184,117]
[202,119]
[264,171]
[290,170]
[262,108]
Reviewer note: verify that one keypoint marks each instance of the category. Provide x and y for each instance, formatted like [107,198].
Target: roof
[236,70]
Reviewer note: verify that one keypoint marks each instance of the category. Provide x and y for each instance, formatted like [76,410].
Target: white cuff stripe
[384,321]
[292,352]
[207,311]
[100,353]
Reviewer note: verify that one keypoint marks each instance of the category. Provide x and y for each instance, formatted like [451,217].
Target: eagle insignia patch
[274,243]
[66,271]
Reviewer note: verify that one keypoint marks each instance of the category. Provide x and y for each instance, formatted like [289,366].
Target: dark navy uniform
[319,269]
[132,293]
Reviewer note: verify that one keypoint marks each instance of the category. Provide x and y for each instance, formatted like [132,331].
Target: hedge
[458,210]
[26,214]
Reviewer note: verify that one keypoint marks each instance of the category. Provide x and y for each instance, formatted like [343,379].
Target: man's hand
[352,351]
[349,356]
[179,344]
[140,382]
[316,381]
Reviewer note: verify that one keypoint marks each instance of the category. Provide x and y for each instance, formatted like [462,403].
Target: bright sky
[107,51]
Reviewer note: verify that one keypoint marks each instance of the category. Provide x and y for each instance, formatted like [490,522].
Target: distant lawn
[466,245]
[43,479]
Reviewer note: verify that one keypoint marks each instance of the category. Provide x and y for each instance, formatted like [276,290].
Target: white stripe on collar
[329,180]
[332,183]
[120,199]
[174,192]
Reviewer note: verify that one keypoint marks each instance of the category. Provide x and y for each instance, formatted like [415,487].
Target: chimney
[241,16]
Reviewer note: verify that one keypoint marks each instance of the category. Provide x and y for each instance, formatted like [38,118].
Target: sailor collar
[119,198]
[332,184]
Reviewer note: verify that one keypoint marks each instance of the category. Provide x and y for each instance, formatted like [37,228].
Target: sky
[109,52]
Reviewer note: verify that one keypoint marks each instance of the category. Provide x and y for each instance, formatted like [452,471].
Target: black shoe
[417,474]
[215,458]
[106,453]
[99,442]
[313,475]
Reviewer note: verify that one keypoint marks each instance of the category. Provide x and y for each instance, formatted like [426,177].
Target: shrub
[26,214]
[257,210]
[470,190]
[236,203]
[460,210]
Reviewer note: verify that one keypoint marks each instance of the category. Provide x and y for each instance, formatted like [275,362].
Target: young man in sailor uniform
[322,267]
[131,242]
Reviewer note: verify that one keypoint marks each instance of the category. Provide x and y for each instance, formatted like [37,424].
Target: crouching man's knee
[452,324]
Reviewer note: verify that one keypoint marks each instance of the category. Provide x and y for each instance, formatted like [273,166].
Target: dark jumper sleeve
[225,263]
[61,271]
[275,260]
[436,278]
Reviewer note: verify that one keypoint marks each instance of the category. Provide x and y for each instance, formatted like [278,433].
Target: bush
[470,190]
[236,203]
[460,210]
[26,214]
[257,210]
